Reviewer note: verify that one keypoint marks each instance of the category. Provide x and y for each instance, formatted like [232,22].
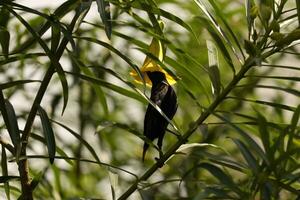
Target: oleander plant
[76,78]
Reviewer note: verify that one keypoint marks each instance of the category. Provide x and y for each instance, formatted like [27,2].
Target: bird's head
[156,77]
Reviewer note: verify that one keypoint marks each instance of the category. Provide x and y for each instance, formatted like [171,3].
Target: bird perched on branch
[162,95]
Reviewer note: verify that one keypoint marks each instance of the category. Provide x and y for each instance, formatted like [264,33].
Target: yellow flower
[150,65]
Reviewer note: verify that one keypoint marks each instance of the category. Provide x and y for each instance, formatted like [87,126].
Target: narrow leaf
[218,41]
[221,176]
[4,171]
[54,60]
[113,179]
[287,90]
[214,72]
[104,11]
[217,27]
[295,119]
[252,162]
[82,10]
[4,41]
[298,11]
[88,72]
[14,131]
[55,37]
[4,179]
[4,17]
[264,134]
[110,86]
[266,103]
[251,142]
[81,139]
[16,83]
[48,133]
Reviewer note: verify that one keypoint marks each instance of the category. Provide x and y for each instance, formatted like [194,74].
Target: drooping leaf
[217,26]
[248,156]
[104,11]
[218,41]
[250,141]
[81,139]
[14,131]
[59,150]
[4,17]
[55,36]
[48,133]
[54,59]
[4,41]
[82,10]
[214,72]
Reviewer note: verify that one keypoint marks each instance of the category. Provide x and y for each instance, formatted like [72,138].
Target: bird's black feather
[164,96]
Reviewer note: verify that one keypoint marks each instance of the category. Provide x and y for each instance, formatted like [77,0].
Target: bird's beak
[156,49]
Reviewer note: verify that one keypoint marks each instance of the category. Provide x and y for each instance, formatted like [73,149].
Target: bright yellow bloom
[150,65]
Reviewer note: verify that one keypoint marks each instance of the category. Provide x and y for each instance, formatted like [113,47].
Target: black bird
[163,95]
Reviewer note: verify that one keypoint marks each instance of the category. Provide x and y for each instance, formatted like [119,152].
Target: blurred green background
[247,146]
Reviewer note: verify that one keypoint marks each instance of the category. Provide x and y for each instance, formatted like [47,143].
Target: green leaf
[295,119]
[266,103]
[264,134]
[5,172]
[160,12]
[55,36]
[214,72]
[218,28]
[298,11]
[113,179]
[104,11]
[250,159]
[4,179]
[110,86]
[53,58]
[287,90]
[14,131]
[81,139]
[82,11]
[4,17]
[218,41]
[21,57]
[116,51]
[89,73]
[220,15]
[4,41]
[48,133]
[10,84]
[59,150]
[221,176]
[251,142]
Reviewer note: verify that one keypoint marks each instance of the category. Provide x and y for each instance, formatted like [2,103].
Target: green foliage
[236,134]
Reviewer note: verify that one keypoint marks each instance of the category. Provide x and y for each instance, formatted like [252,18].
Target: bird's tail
[146,146]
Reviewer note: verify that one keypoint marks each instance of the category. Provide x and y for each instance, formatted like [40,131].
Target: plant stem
[23,164]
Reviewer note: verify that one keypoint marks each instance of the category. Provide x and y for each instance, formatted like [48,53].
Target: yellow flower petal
[150,65]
